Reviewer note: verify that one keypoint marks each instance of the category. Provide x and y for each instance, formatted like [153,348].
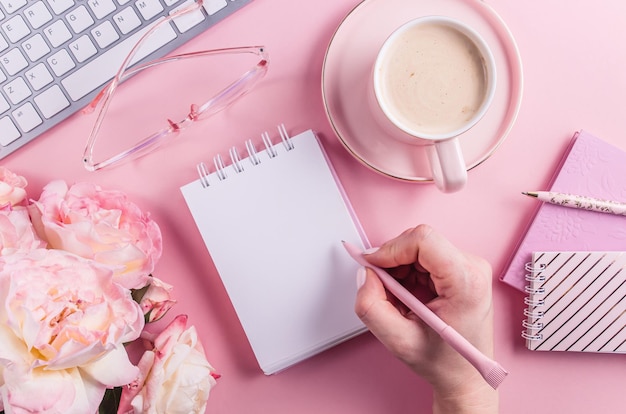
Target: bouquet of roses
[76,288]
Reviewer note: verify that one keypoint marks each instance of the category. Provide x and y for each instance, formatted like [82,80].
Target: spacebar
[103,68]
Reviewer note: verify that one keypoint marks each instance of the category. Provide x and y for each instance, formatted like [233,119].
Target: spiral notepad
[272,216]
[576,302]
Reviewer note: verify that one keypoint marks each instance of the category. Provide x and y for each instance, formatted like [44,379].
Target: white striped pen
[580,202]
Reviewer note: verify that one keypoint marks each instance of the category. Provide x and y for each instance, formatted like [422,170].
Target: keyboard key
[43,42]
[79,19]
[127,20]
[188,20]
[38,77]
[16,29]
[83,48]
[3,44]
[38,15]
[11,6]
[36,47]
[87,78]
[105,34]
[61,62]
[57,33]
[17,90]
[59,6]
[13,61]
[101,8]
[4,105]
[149,8]
[26,117]
[51,101]
[213,6]
[8,131]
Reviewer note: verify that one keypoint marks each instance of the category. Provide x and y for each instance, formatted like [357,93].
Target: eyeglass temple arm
[232,92]
[248,77]
[120,73]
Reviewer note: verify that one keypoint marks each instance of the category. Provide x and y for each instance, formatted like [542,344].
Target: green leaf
[111,401]
[137,294]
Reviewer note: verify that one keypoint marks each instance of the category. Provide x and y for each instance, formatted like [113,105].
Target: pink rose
[157,300]
[11,187]
[63,323]
[100,225]
[175,376]
[16,231]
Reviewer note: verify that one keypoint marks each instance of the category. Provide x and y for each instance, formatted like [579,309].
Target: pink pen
[491,371]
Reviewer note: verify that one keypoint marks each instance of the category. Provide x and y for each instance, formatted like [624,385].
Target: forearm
[479,400]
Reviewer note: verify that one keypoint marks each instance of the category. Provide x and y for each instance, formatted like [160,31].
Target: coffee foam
[435,79]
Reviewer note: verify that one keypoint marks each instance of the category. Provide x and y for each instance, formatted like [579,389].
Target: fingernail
[371,250]
[360,277]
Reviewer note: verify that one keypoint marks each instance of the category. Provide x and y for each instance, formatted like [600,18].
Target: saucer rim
[505,122]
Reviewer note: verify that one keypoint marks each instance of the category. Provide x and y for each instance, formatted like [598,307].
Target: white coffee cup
[434,78]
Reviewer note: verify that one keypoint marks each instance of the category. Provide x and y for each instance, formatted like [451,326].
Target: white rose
[175,376]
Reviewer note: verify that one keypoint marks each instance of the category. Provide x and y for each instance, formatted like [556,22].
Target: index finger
[425,247]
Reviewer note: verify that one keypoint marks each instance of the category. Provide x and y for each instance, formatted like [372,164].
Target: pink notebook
[589,167]
[576,302]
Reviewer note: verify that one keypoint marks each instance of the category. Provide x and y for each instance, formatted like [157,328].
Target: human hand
[453,284]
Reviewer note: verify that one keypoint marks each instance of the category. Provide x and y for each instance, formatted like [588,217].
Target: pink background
[575,78]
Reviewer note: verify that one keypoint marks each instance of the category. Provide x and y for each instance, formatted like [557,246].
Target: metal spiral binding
[532,323]
[219,167]
[534,314]
[529,290]
[533,302]
[534,273]
[203,172]
[252,154]
[237,162]
[271,151]
[532,337]
[285,137]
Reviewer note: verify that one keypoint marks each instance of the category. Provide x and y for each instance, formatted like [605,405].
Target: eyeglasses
[219,101]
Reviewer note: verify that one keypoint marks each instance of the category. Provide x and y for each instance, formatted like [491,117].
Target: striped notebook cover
[576,302]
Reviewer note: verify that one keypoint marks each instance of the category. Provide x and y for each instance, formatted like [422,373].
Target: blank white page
[274,232]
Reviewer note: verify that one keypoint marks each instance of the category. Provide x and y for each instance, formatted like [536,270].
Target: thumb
[380,315]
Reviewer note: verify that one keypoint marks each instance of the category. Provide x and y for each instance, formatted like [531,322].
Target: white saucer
[347,66]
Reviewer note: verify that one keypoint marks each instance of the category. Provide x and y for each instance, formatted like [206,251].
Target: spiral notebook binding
[252,154]
[271,151]
[203,172]
[220,169]
[534,314]
[532,291]
[285,137]
[237,162]
[532,324]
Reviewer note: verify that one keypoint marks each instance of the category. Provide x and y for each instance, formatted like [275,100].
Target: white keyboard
[55,55]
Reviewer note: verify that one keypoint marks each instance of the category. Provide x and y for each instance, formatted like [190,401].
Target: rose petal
[179,379]
[54,390]
[114,369]
[99,225]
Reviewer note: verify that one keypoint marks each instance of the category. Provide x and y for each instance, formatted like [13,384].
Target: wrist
[473,398]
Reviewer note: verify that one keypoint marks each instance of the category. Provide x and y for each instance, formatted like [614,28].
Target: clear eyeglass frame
[218,102]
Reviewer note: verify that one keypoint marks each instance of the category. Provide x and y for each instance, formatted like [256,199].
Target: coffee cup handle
[448,165]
